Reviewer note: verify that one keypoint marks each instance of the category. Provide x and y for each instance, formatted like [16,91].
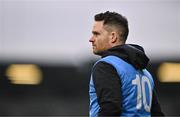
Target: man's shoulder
[102,64]
[103,67]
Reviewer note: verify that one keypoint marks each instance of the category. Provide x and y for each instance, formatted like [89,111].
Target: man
[120,85]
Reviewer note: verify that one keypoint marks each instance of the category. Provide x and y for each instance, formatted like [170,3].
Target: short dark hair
[114,19]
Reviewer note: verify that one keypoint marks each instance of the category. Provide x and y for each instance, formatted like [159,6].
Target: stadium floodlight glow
[169,72]
[27,74]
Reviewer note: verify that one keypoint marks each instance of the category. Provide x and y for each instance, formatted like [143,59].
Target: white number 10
[141,93]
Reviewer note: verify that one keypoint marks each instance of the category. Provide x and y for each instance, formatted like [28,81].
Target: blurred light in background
[169,72]
[28,74]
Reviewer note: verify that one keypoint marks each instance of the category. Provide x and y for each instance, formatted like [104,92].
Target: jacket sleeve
[156,109]
[108,89]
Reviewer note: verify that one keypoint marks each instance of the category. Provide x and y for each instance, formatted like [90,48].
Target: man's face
[100,38]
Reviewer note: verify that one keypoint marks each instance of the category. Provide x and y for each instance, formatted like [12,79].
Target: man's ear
[114,37]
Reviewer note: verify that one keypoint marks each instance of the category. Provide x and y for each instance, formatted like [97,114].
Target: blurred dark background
[63,90]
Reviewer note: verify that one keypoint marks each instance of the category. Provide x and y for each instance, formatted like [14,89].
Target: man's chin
[97,52]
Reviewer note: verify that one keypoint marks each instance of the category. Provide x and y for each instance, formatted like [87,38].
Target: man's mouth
[93,45]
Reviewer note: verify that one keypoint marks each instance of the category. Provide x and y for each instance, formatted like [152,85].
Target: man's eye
[96,34]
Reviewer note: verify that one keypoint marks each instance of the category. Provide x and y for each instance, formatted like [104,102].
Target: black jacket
[107,83]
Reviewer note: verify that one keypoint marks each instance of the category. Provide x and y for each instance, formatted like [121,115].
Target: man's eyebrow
[95,32]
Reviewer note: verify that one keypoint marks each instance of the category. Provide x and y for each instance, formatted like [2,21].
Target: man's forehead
[98,25]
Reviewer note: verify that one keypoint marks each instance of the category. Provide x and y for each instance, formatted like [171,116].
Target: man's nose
[91,39]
